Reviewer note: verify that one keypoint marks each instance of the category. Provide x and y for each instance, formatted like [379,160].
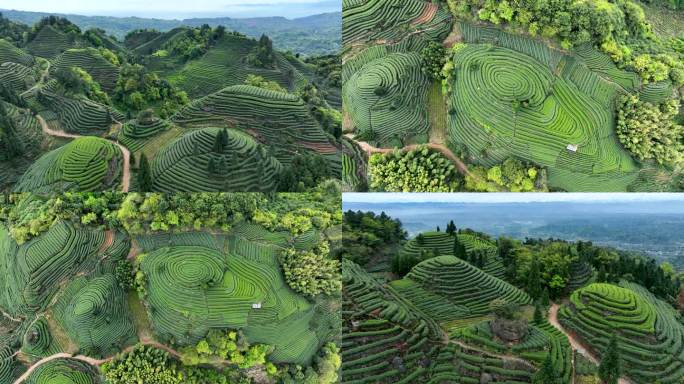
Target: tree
[545,299]
[420,239]
[610,369]
[534,287]
[538,315]
[546,374]
[459,249]
[649,131]
[144,175]
[438,228]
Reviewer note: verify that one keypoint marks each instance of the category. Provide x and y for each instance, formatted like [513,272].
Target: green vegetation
[467,300]
[88,163]
[649,131]
[214,301]
[149,93]
[630,328]
[419,169]
[538,82]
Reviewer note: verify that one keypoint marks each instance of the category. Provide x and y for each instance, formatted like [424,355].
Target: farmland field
[455,305]
[155,95]
[512,92]
[86,284]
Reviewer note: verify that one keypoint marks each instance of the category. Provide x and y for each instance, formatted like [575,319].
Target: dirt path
[91,360]
[125,184]
[108,241]
[462,167]
[575,343]
[42,80]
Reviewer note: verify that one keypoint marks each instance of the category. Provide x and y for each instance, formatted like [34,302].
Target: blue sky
[175,9]
[508,197]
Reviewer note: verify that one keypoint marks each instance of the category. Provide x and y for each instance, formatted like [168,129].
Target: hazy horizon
[649,223]
[177,10]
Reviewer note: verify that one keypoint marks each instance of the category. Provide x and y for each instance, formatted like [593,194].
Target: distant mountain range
[311,35]
[650,227]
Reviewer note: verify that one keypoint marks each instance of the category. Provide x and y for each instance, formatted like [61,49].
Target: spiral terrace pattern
[244,165]
[83,164]
[193,288]
[94,313]
[40,265]
[533,114]
[651,337]
[38,341]
[64,371]
[398,112]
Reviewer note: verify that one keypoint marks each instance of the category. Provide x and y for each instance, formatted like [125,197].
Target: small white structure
[572,148]
[256,306]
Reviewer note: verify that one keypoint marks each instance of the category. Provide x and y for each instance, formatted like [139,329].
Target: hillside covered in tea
[454,305]
[191,109]
[472,95]
[170,288]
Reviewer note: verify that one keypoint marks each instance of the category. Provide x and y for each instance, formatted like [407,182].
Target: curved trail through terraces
[125,184]
[90,360]
[462,167]
[575,343]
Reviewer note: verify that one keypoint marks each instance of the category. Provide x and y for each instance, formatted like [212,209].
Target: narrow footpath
[125,184]
[575,343]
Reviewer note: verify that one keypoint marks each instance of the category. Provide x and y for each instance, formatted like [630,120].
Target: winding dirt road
[460,165]
[575,343]
[90,360]
[125,184]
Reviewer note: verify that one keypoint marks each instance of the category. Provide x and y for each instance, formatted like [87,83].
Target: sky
[175,9]
[507,197]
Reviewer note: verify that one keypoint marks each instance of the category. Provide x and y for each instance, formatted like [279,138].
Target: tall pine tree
[546,374]
[610,369]
[144,175]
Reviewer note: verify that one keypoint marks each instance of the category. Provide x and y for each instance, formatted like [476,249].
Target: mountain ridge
[318,34]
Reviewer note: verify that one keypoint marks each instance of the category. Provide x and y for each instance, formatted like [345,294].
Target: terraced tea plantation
[649,331]
[504,94]
[162,96]
[75,293]
[500,310]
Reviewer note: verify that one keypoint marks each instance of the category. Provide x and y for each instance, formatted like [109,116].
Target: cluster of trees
[76,81]
[542,267]
[312,272]
[365,235]
[59,23]
[324,371]
[15,33]
[618,28]
[228,346]
[28,215]
[260,82]
[142,364]
[139,213]
[195,43]
[417,170]
[10,144]
[304,172]
[262,55]
[137,89]
[329,68]
[613,265]
[650,131]
[434,59]
[512,175]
